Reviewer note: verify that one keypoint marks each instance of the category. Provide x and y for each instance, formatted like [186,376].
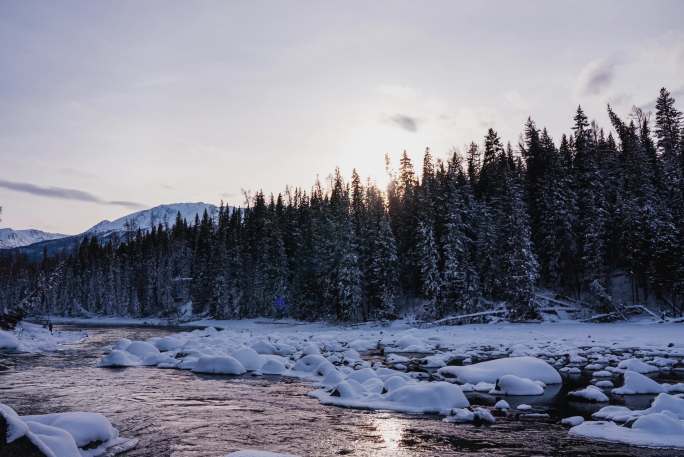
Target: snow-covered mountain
[145,219]
[10,238]
[106,230]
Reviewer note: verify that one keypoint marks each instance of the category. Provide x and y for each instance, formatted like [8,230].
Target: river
[182,414]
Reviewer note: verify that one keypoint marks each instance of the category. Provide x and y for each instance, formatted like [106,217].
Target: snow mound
[638,366]
[417,397]
[589,393]
[249,358]
[636,383]
[662,430]
[117,358]
[219,365]
[490,371]
[434,396]
[70,434]
[85,428]
[572,421]
[513,385]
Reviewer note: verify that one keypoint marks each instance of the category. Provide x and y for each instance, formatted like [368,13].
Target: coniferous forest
[491,225]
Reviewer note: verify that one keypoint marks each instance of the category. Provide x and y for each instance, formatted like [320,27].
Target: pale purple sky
[111,106]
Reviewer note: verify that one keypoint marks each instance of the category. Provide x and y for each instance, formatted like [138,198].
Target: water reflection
[391,430]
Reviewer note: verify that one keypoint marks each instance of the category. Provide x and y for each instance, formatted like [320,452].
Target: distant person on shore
[50,326]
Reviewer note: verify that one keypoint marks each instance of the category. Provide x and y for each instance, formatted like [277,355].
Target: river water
[182,414]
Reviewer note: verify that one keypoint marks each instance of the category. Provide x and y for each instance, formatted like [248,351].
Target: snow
[16,428]
[660,425]
[10,238]
[219,365]
[652,430]
[330,357]
[636,383]
[572,421]
[412,397]
[424,397]
[490,371]
[162,214]
[28,337]
[589,393]
[513,385]
[502,405]
[8,340]
[64,434]
[255,453]
[637,365]
[84,427]
[118,358]
[464,415]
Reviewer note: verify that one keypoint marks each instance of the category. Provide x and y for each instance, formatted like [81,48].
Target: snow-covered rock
[249,358]
[513,385]
[490,371]
[572,420]
[638,366]
[589,393]
[117,358]
[651,430]
[637,383]
[502,405]
[70,434]
[428,396]
[219,365]
[85,428]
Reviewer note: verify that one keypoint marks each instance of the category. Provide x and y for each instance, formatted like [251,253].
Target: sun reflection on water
[391,430]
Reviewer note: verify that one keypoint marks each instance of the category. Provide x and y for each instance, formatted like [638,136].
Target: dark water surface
[179,413]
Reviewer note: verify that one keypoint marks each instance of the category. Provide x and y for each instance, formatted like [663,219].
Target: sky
[109,107]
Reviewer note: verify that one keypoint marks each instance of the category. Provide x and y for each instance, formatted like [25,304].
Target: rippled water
[179,413]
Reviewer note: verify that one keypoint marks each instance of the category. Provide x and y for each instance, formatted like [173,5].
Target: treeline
[491,225]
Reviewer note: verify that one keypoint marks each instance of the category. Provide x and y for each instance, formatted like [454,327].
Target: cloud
[405,122]
[64,193]
[229,195]
[596,76]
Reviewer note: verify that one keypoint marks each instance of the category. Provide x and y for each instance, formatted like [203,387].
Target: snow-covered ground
[29,337]
[369,366]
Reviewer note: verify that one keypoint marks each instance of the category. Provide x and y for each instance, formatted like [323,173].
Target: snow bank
[636,383]
[29,337]
[63,434]
[490,371]
[651,430]
[8,340]
[661,425]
